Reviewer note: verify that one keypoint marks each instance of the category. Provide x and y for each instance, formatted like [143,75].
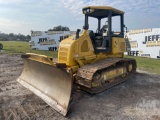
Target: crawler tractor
[94,60]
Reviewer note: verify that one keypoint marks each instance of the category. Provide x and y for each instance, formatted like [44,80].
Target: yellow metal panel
[118,45]
[72,51]
[81,41]
[67,47]
[84,47]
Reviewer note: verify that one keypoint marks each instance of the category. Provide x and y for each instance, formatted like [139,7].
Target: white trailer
[47,40]
[145,42]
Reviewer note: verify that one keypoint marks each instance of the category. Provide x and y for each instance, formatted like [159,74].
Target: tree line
[21,37]
[60,28]
[14,37]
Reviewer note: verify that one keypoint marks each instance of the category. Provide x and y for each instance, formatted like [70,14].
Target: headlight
[85,11]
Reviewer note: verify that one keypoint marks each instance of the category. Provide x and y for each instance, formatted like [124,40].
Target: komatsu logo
[151,38]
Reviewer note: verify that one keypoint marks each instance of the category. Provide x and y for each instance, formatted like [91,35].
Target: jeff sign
[151,38]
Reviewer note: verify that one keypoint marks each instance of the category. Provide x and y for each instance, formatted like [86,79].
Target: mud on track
[16,102]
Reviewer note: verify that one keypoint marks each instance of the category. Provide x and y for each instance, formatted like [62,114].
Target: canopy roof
[101,11]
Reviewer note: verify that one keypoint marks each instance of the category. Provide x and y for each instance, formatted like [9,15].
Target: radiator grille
[63,54]
[63,49]
[61,58]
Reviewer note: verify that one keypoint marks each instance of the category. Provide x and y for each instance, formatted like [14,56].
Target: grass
[19,47]
[147,64]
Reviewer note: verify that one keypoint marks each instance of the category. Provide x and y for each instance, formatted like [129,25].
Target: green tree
[60,28]
[11,36]
[28,38]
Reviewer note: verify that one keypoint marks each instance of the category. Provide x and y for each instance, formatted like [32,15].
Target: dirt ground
[135,99]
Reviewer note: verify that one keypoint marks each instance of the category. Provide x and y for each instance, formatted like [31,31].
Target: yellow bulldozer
[94,60]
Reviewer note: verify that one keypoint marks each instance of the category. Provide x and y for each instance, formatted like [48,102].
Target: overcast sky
[22,16]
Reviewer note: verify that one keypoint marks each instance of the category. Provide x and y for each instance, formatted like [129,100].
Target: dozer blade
[50,83]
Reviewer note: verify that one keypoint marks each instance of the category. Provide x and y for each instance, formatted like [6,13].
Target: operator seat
[105,34]
[104,40]
[104,30]
[96,40]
